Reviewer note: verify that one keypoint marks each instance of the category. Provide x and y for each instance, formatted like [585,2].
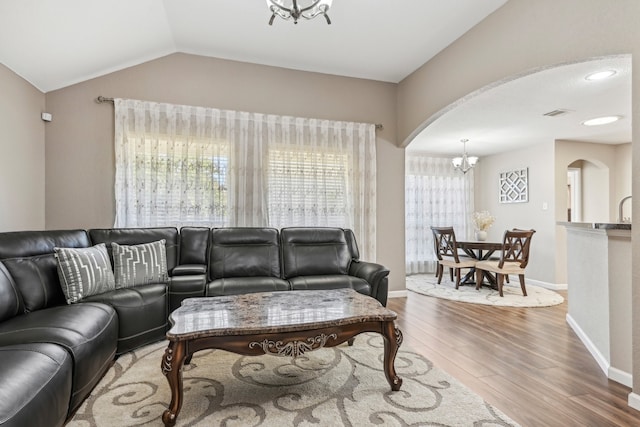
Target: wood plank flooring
[527,362]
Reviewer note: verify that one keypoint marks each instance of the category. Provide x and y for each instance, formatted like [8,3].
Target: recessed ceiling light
[601,120]
[599,75]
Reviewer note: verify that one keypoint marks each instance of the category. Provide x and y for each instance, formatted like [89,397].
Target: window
[308,187]
[435,195]
[181,165]
[181,181]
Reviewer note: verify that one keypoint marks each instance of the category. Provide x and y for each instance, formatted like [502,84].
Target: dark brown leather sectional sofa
[52,354]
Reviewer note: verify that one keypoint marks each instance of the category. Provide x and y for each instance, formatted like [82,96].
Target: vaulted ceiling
[54,44]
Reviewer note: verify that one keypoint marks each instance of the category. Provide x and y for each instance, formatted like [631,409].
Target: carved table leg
[392,340]
[172,363]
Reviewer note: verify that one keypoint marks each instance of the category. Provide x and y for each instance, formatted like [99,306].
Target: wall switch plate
[545,206]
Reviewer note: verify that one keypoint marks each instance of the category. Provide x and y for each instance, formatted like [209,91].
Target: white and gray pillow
[84,272]
[143,264]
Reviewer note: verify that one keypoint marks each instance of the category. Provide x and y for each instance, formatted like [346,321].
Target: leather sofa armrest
[186,286]
[375,275]
[189,269]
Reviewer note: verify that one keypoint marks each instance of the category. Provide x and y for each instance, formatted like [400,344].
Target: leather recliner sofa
[246,260]
[34,320]
[52,354]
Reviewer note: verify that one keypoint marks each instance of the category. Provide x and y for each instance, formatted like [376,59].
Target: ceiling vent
[555,113]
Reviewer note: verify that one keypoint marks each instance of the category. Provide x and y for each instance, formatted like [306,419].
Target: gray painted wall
[80,163]
[22,185]
[538,160]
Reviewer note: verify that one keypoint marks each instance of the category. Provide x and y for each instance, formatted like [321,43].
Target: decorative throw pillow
[140,264]
[84,271]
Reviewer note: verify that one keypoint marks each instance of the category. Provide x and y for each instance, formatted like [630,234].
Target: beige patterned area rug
[426,284]
[338,386]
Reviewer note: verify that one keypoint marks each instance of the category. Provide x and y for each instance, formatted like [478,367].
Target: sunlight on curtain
[181,165]
[435,195]
[171,166]
[323,173]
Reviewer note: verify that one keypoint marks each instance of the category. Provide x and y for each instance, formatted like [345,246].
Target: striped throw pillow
[84,272]
[143,264]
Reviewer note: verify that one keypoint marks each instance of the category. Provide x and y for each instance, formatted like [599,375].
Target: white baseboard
[614,374]
[620,376]
[634,400]
[599,357]
[397,294]
[547,285]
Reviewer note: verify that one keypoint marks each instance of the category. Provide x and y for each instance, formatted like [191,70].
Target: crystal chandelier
[464,163]
[287,9]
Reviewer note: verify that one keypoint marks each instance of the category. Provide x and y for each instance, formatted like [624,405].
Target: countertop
[598,225]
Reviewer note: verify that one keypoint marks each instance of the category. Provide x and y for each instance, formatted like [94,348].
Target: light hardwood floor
[527,362]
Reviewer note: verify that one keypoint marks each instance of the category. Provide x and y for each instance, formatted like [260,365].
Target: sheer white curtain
[435,195]
[181,165]
[171,165]
[323,173]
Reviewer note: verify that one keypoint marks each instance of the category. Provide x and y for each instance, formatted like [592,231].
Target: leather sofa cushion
[338,281]
[10,298]
[244,252]
[88,331]
[194,245]
[22,244]
[28,256]
[35,386]
[142,314]
[308,251]
[136,236]
[37,280]
[244,285]
[353,245]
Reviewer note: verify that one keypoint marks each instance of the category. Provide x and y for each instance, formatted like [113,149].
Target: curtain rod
[102,99]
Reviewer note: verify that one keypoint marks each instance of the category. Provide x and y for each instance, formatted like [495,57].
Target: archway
[515,124]
[588,189]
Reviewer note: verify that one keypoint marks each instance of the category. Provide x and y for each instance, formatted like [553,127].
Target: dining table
[480,250]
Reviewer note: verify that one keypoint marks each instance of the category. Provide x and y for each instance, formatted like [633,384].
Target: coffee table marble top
[273,312]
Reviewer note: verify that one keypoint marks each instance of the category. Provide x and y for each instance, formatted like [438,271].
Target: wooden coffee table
[287,323]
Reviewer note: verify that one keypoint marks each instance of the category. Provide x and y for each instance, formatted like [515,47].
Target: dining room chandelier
[295,9]
[464,163]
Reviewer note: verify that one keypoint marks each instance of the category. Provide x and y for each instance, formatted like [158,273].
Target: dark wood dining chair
[514,258]
[446,248]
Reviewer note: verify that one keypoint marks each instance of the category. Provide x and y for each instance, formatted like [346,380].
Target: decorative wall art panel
[514,186]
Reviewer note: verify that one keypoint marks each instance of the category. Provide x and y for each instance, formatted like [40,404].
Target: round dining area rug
[537,296]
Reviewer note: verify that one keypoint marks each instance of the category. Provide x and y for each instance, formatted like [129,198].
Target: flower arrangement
[483,220]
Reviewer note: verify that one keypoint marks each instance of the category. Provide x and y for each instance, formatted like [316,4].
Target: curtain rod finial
[101,99]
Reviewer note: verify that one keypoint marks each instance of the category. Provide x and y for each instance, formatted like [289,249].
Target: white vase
[481,235]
